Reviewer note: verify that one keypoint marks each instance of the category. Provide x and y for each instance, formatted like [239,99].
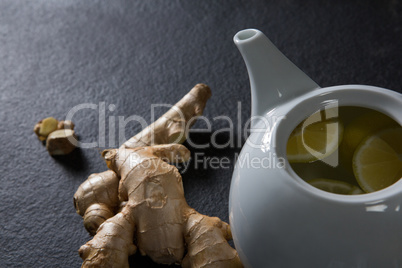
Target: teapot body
[279,220]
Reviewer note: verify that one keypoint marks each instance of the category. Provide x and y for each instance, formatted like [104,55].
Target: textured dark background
[55,55]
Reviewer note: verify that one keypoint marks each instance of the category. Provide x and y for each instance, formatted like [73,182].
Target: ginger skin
[154,217]
[97,199]
[172,127]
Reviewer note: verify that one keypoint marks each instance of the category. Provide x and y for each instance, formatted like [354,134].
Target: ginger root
[152,214]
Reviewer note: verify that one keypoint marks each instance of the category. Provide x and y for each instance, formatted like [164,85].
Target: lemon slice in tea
[359,129]
[377,162]
[335,186]
[314,141]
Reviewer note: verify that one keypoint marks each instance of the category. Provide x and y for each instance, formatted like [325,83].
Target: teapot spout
[273,77]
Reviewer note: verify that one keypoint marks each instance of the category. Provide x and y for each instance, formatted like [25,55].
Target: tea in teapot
[347,150]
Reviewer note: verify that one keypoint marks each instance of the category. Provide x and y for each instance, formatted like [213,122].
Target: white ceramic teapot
[279,220]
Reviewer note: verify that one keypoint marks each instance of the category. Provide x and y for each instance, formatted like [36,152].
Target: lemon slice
[360,128]
[335,186]
[377,162]
[314,141]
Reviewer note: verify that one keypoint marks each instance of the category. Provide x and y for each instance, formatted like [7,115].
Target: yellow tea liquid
[359,140]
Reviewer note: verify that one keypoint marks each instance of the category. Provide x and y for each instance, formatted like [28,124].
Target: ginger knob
[95,215]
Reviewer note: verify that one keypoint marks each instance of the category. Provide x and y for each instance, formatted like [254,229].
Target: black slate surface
[55,55]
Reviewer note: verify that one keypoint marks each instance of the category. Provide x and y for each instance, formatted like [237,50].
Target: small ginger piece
[66,124]
[44,127]
[61,142]
[59,135]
